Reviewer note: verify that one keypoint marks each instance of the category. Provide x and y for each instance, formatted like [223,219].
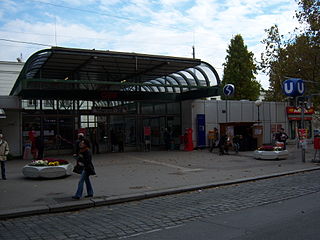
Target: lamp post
[258,131]
[258,104]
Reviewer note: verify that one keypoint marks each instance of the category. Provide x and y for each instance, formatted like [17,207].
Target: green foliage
[239,70]
[308,14]
[297,57]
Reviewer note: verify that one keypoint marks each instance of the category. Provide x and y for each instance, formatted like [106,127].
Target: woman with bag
[84,160]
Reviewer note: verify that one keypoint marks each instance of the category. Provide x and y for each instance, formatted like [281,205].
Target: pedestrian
[113,139]
[120,140]
[236,143]
[223,142]
[40,147]
[77,144]
[282,137]
[85,159]
[32,134]
[4,151]
[94,138]
[214,139]
[167,136]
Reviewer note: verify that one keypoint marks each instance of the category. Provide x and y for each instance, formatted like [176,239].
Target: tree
[271,62]
[297,57]
[240,70]
[309,13]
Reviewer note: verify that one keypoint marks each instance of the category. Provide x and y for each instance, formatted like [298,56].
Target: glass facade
[57,122]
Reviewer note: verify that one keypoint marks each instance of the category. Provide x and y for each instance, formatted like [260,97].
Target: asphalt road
[278,208]
[294,219]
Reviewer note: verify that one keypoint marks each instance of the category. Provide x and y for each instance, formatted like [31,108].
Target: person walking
[4,151]
[223,141]
[85,160]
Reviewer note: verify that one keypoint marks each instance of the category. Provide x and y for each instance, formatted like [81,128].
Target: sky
[161,27]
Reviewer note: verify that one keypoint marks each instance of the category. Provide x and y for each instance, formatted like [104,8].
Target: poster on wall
[147,131]
[230,131]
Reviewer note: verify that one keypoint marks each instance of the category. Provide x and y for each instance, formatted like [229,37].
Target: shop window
[130,131]
[48,104]
[147,108]
[85,105]
[132,107]
[65,104]
[32,103]
[88,121]
[160,108]
[173,108]
[295,125]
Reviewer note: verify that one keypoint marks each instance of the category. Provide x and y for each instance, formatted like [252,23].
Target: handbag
[78,168]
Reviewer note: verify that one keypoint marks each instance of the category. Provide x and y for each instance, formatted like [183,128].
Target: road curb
[103,201]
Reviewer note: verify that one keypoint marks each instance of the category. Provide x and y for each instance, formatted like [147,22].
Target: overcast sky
[165,27]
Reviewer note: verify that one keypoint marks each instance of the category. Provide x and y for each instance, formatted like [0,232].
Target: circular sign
[293,87]
[228,89]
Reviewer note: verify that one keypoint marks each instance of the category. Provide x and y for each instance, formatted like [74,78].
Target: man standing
[4,151]
[282,137]
[214,139]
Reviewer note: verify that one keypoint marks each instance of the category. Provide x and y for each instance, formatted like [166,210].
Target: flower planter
[49,171]
[271,155]
[270,152]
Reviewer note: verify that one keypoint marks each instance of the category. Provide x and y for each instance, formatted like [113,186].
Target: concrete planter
[271,155]
[47,171]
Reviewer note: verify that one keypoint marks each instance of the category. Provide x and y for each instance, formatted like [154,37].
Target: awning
[66,73]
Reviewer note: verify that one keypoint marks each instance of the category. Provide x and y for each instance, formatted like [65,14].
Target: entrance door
[112,126]
[157,125]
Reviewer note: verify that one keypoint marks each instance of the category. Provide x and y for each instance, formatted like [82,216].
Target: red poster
[147,131]
[302,133]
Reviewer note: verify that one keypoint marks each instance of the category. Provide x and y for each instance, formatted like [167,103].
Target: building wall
[218,112]
[11,129]
[9,72]
[11,125]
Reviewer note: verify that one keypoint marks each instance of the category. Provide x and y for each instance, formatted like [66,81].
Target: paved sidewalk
[136,175]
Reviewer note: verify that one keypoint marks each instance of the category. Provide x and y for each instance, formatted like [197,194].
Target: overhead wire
[33,43]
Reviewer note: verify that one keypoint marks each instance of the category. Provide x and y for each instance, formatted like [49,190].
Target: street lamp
[258,104]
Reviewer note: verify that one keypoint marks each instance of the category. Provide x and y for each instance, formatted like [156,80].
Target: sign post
[294,87]
[228,90]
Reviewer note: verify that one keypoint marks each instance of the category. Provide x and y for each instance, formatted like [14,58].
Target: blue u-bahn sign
[293,87]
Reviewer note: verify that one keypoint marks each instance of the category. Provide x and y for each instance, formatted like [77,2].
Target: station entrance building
[110,96]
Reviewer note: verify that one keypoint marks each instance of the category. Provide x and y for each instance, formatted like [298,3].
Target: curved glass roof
[90,74]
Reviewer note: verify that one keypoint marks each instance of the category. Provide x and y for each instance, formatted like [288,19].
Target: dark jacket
[86,158]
